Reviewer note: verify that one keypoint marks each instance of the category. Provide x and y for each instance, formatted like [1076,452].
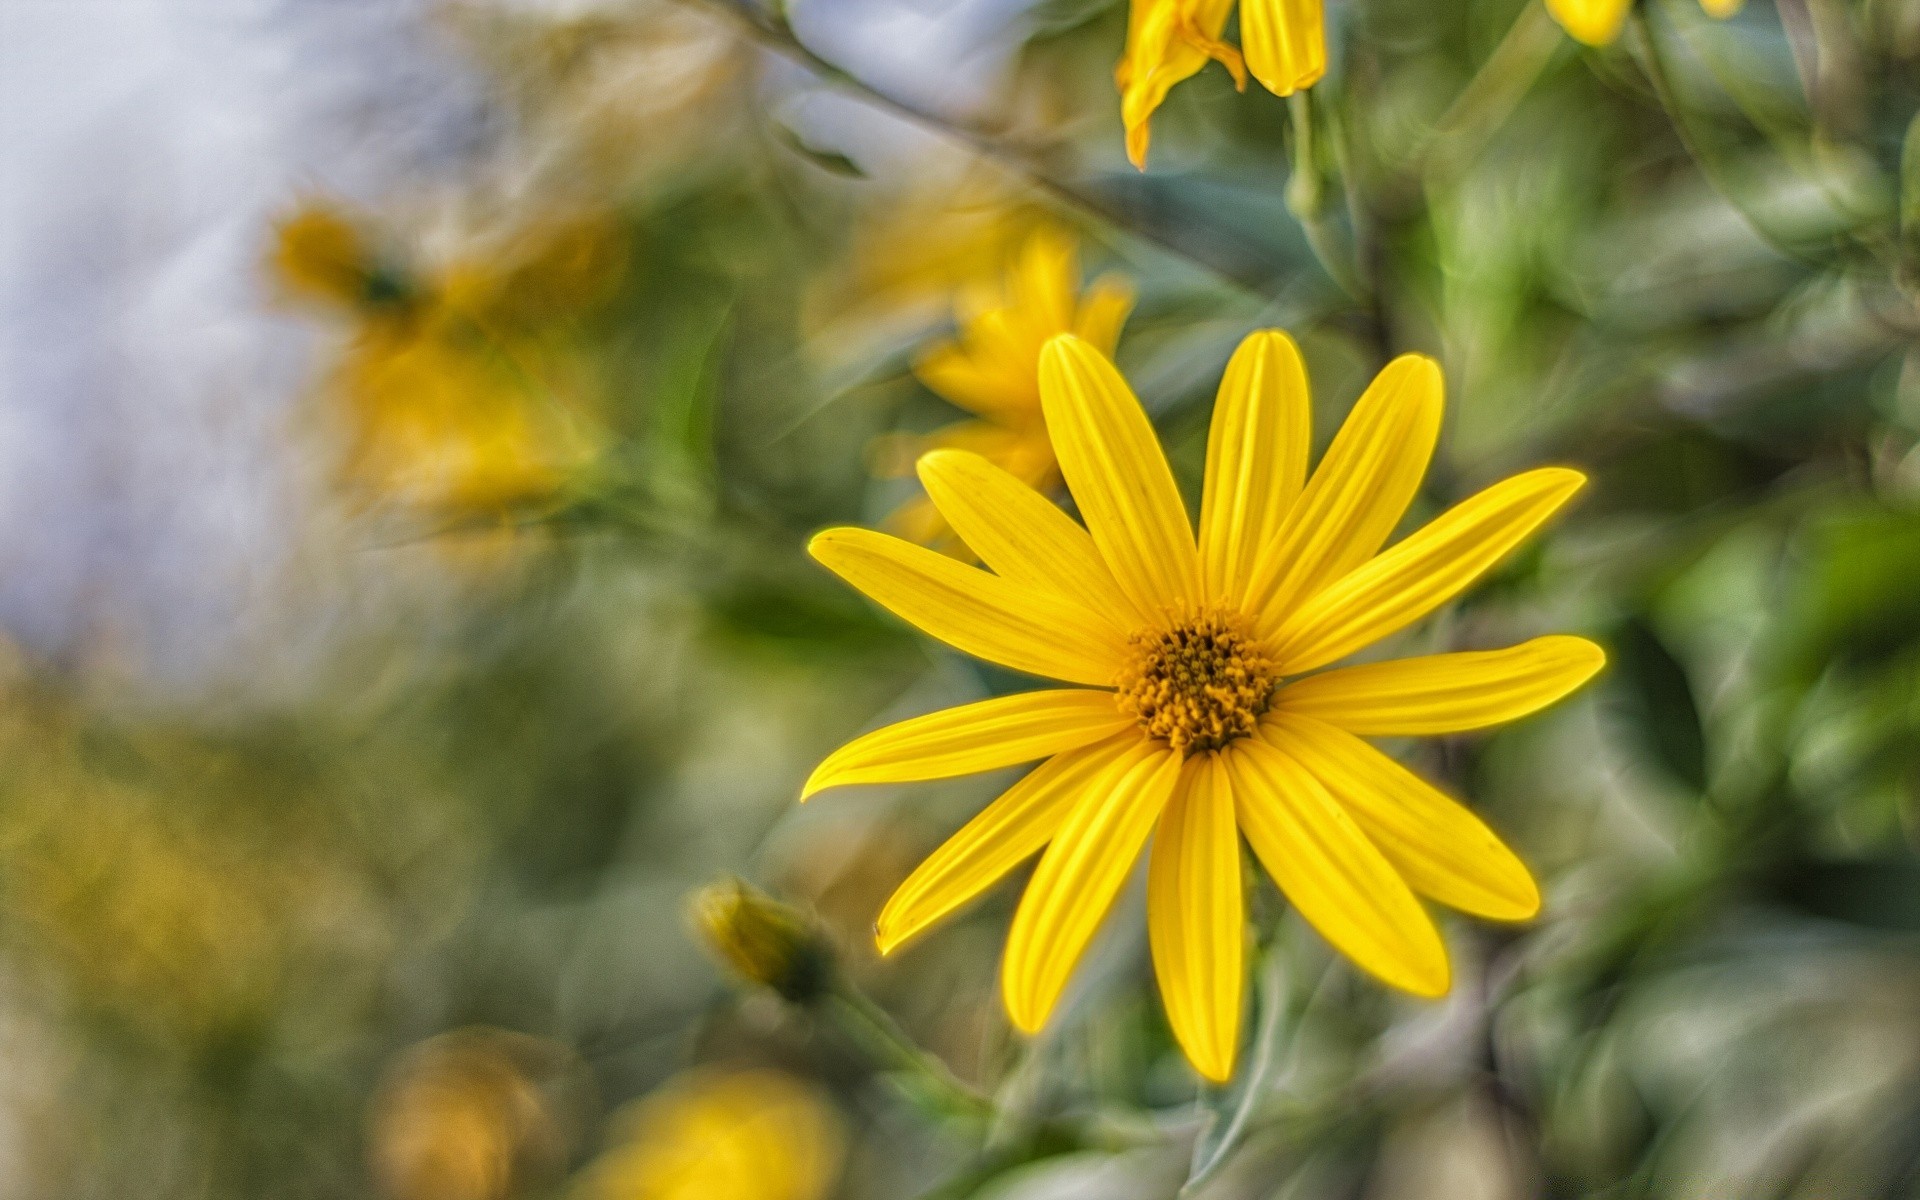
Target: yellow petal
[1103,310]
[1358,494]
[1118,475]
[1423,572]
[1022,535]
[1285,42]
[1443,850]
[984,736]
[1006,833]
[1157,58]
[1720,10]
[1196,917]
[1338,879]
[1595,22]
[967,608]
[1078,877]
[1446,693]
[1256,458]
[1044,279]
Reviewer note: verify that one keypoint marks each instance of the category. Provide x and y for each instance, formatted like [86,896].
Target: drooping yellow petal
[1118,475]
[1196,917]
[1595,22]
[1002,836]
[1358,494]
[1256,459]
[1167,42]
[1078,877]
[1445,693]
[1285,42]
[983,736]
[1332,873]
[1422,572]
[1442,849]
[974,611]
[1021,534]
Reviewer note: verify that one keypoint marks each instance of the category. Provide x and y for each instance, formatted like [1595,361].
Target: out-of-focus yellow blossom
[1598,22]
[1283,44]
[457,398]
[1203,709]
[737,1135]
[463,1117]
[992,368]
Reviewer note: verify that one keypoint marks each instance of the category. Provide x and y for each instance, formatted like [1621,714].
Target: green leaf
[1660,698]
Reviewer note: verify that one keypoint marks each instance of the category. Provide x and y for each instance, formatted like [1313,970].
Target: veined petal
[1285,42]
[1118,475]
[1003,835]
[1358,494]
[1422,572]
[984,736]
[1078,877]
[1595,22]
[1445,693]
[1256,458]
[1022,535]
[1442,849]
[1338,879]
[974,611]
[1196,917]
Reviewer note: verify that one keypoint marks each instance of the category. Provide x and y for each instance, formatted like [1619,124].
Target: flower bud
[762,940]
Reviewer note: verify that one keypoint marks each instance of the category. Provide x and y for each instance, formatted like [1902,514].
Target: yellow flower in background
[992,368]
[469,1115]
[1283,44]
[1198,713]
[741,1135]
[451,387]
[1598,22]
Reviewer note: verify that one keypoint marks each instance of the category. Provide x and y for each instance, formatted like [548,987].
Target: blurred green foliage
[1685,263]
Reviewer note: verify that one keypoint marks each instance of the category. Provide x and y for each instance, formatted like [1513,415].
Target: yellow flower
[1598,22]
[448,387]
[744,1135]
[464,1116]
[992,369]
[1284,43]
[1199,711]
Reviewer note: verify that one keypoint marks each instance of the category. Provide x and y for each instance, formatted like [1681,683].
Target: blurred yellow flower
[992,368]
[462,1116]
[740,1135]
[1197,715]
[451,389]
[1284,43]
[1598,22]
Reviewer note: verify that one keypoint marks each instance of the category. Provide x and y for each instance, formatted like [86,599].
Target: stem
[1495,90]
[773,33]
[882,1037]
[1648,48]
[1306,197]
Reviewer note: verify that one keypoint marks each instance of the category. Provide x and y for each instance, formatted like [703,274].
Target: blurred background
[412,416]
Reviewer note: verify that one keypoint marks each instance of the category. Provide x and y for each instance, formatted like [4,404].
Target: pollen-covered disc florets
[1199,682]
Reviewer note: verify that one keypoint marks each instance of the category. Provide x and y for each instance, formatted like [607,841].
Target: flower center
[1199,683]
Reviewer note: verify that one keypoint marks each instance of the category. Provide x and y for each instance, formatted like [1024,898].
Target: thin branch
[775,35]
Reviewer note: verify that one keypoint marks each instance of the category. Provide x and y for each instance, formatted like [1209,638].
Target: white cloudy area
[157,525]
